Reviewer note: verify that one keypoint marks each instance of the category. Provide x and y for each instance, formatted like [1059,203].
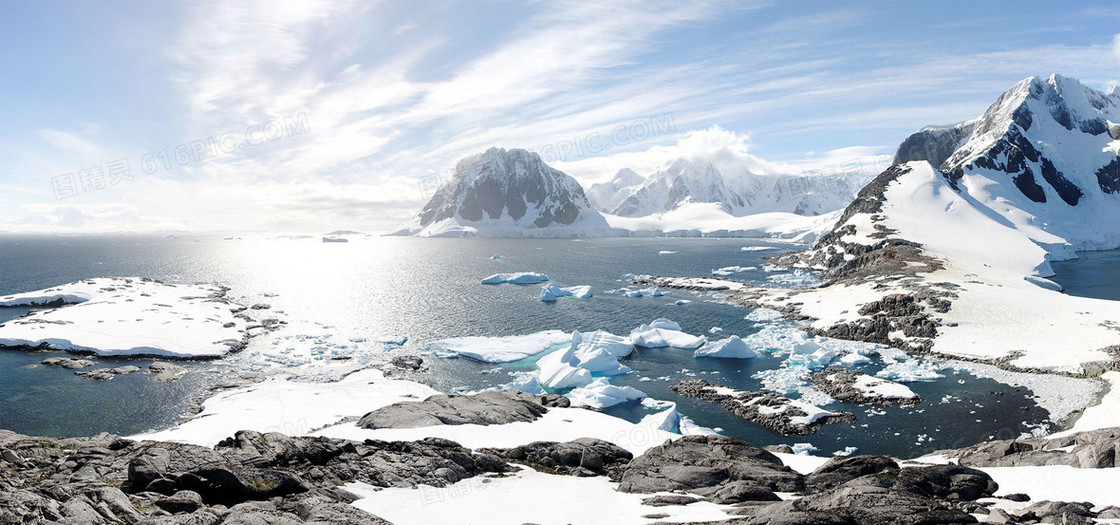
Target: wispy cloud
[70,142]
[393,94]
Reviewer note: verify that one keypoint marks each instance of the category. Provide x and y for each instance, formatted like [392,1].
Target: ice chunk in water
[516,278]
[732,347]
[601,394]
[662,333]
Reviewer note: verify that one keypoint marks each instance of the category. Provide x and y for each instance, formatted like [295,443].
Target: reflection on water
[428,289]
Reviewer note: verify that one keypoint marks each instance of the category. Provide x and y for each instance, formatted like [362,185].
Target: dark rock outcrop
[773,411]
[580,457]
[487,408]
[700,462]
[840,383]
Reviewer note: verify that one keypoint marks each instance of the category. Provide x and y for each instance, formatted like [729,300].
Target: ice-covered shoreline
[120,316]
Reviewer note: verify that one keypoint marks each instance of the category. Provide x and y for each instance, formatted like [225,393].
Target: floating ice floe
[667,252]
[756,248]
[130,316]
[803,448]
[516,278]
[500,349]
[731,347]
[762,315]
[715,330]
[681,302]
[663,332]
[550,292]
[908,369]
[496,256]
[397,340]
[651,291]
[732,270]
[526,382]
[600,393]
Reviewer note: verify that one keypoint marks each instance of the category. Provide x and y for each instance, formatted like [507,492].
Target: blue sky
[325,114]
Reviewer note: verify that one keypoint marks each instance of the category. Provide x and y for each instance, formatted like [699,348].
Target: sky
[316,115]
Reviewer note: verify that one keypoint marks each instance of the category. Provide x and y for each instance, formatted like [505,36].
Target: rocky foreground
[271,478]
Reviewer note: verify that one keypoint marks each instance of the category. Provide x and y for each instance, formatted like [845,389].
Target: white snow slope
[128,316]
[1033,183]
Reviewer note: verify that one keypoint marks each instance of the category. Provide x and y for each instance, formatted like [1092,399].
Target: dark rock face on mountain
[934,144]
[505,191]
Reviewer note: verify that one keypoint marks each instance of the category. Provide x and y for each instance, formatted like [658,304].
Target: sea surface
[339,298]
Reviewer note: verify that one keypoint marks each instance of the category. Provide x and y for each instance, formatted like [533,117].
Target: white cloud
[70,142]
[1116,47]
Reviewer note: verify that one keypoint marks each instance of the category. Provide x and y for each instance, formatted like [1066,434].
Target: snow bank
[129,316]
[284,404]
[502,349]
[883,388]
[526,496]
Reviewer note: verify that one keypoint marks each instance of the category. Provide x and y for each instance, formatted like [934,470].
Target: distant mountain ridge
[740,192]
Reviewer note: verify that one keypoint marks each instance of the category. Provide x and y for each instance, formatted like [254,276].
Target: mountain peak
[504,192]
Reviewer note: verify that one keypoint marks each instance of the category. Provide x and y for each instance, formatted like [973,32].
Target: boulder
[580,457]
[696,462]
[486,408]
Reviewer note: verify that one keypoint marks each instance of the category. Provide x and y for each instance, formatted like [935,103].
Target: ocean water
[337,298]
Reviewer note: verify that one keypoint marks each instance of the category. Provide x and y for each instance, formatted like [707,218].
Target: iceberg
[663,332]
[596,352]
[601,394]
[500,349]
[599,339]
[516,278]
[550,292]
[557,371]
[731,347]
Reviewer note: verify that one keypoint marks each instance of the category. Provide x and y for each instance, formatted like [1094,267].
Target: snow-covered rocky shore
[283,451]
[115,316]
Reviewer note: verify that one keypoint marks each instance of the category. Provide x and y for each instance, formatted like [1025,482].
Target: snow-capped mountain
[1042,162]
[606,196]
[506,193]
[737,190]
[952,256]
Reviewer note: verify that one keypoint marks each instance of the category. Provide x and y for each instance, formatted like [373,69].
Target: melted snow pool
[1092,274]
